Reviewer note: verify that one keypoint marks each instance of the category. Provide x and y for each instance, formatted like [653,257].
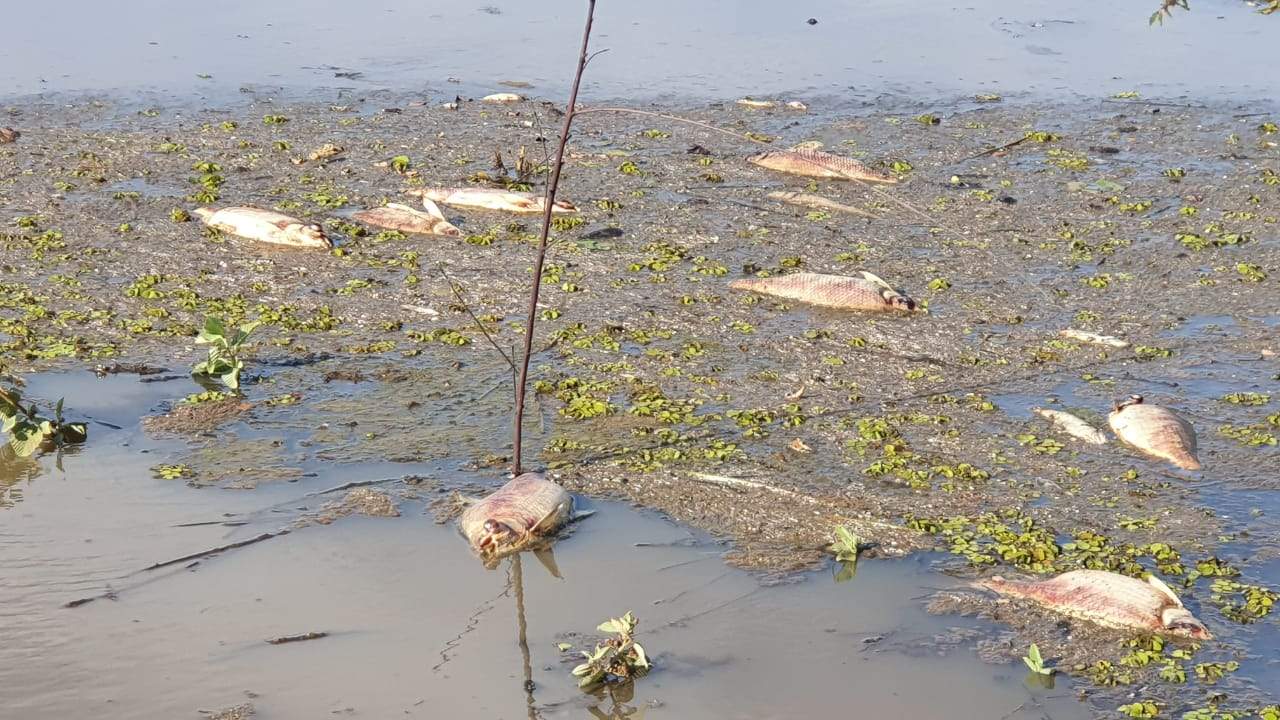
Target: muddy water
[859,52]
[417,627]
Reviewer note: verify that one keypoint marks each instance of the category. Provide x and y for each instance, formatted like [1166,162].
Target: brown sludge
[406,219]
[1108,599]
[819,164]
[527,508]
[863,292]
[1156,431]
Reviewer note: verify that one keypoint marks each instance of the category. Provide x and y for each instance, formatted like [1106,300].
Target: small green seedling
[28,431]
[224,360]
[1036,663]
[845,548]
[616,660]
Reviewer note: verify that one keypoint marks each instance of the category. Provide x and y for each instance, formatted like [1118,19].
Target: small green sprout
[224,356]
[1035,662]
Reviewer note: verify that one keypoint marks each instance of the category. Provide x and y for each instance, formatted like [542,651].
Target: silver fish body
[406,219]
[1095,338]
[492,199]
[265,226]
[1072,425]
[819,164]
[861,292]
[1108,599]
[529,507]
[1156,431]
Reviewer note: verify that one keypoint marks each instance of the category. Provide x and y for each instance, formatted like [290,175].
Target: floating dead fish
[862,292]
[527,509]
[502,98]
[817,201]
[8,135]
[819,164]
[265,226]
[758,104]
[1096,339]
[1156,431]
[492,199]
[1108,599]
[1072,425]
[405,219]
[797,105]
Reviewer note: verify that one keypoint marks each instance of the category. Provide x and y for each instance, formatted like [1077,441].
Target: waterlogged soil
[763,423]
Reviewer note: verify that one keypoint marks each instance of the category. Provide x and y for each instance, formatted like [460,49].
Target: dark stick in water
[552,185]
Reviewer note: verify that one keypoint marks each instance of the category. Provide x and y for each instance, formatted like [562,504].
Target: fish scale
[819,164]
[866,292]
[1108,599]
[1156,431]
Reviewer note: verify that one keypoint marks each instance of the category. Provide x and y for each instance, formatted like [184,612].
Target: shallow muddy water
[857,53]
[418,627]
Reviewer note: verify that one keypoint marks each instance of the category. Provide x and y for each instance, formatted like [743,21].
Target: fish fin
[873,278]
[432,209]
[547,522]
[1158,584]
[581,515]
[548,560]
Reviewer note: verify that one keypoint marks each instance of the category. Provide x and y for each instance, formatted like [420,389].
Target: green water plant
[224,360]
[845,547]
[616,660]
[28,430]
[1035,662]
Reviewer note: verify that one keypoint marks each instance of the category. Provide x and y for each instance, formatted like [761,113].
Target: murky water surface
[858,52]
[417,626]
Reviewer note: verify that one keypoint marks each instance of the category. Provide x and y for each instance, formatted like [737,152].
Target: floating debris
[1108,599]
[525,510]
[265,226]
[395,216]
[758,104]
[1072,425]
[815,163]
[817,201]
[285,639]
[8,135]
[1156,431]
[797,105]
[326,151]
[502,98]
[492,199]
[863,292]
[1096,339]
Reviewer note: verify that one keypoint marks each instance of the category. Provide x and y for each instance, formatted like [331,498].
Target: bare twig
[297,638]
[214,551]
[548,204]
[457,293]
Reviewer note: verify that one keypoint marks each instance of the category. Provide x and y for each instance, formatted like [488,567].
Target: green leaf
[563,647]
[846,572]
[581,670]
[616,625]
[26,439]
[214,327]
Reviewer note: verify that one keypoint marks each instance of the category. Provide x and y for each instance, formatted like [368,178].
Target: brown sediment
[195,418]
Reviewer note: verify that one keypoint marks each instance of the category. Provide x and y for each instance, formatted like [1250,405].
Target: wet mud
[765,423]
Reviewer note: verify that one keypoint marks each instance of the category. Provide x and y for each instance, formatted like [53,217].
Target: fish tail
[204,213]
[1187,461]
[745,284]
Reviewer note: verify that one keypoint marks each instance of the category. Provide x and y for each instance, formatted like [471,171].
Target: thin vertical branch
[549,202]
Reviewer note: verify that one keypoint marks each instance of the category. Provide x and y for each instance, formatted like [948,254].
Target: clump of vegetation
[618,659]
[28,430]
[224,360]
[845,547]
[1036,663]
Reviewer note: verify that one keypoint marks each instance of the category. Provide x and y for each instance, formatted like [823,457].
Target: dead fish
[492,199]
[326,151]
[265,226]
[527,509]
[797,105]
[1096,339]
[863,292]
[819,164]
[1108,599]
[1156,431]
[817,201]
[1072,425]
[8,135]
[405,219]
[757,104]
[502,98]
